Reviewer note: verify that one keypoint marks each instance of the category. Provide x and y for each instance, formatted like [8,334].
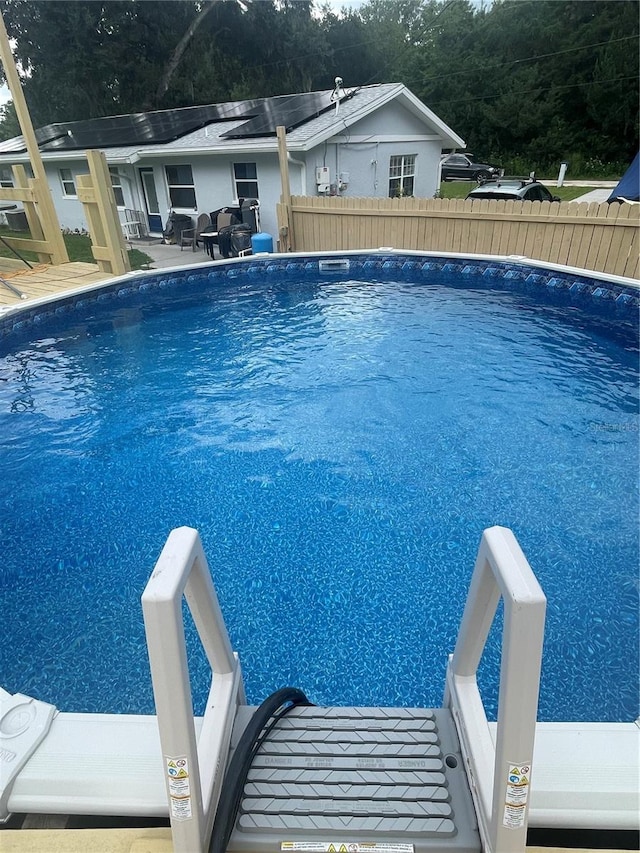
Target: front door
[151,201]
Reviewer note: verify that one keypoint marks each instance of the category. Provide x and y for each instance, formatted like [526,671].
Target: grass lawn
[78,249]
[461,189]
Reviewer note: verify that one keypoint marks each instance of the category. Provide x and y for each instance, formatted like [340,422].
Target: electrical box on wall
[323,179]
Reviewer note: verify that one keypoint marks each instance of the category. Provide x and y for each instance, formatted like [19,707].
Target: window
[68,184]
[245,177]
[116,183]
[6,177]
[182,192]
[537,193]
[402,170]
[456,160]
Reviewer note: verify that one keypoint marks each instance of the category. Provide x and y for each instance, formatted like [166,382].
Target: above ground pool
[340,432]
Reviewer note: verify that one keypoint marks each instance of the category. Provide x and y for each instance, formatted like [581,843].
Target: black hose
[266,716]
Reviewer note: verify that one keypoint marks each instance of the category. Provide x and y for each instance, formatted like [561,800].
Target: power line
[529,58]
[550,88]
[353,45]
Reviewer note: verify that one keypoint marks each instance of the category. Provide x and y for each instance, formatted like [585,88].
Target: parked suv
[518,189]
[463,167]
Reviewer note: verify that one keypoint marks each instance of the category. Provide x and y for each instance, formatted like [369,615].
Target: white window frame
[237,181]
[68,183]
[116,185]
[402,167]
[172,186]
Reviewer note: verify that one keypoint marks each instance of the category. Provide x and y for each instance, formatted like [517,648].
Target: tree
[64,50]
[179,50]
[85,59]
[533,81]
[9,124]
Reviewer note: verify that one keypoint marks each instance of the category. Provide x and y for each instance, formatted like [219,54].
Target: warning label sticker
[179,787]
[516,795]
[181,809]
[344,847]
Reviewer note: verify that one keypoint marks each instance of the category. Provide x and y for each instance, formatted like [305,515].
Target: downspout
[137,195]
[437,193]
[303,172]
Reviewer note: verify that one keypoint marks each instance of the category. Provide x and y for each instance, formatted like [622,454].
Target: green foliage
[9,125]
[524,82]
[593,167]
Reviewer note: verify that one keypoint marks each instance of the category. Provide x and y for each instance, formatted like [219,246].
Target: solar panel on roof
[13,146]
[136,129]
[263,116]
[287,110]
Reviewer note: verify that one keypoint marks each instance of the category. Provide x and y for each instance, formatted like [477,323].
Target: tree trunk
[176,56]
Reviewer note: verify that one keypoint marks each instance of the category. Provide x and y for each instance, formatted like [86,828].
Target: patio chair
[191,236]
[132,225]
[221,219]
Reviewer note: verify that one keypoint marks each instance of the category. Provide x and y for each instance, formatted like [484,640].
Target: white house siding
[364,150]
[365,162]
[213,182]
[215,188]
[69,210]
[357,156]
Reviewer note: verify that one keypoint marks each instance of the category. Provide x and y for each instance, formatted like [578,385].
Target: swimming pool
[340,439]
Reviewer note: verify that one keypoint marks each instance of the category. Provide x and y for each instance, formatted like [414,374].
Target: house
[367,141]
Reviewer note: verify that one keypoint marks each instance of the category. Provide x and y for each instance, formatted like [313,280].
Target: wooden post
[285,220]
[96,194]
[48,215]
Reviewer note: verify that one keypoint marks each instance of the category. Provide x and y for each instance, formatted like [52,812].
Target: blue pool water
[340,443]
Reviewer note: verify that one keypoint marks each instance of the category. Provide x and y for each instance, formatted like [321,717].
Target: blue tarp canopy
[629,186]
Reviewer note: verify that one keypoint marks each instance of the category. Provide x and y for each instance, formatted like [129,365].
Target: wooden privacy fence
[600,237]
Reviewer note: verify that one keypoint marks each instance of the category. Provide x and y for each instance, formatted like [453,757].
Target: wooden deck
[44,280]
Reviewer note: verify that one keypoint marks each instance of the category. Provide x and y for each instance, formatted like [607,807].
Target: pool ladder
[472,794]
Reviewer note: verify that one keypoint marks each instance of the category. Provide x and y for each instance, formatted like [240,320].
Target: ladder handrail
[500,775]
[193,770]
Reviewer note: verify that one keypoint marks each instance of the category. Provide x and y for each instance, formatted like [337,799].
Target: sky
[349,4]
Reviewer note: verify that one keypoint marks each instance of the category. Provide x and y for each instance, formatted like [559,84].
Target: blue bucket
[261,242]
